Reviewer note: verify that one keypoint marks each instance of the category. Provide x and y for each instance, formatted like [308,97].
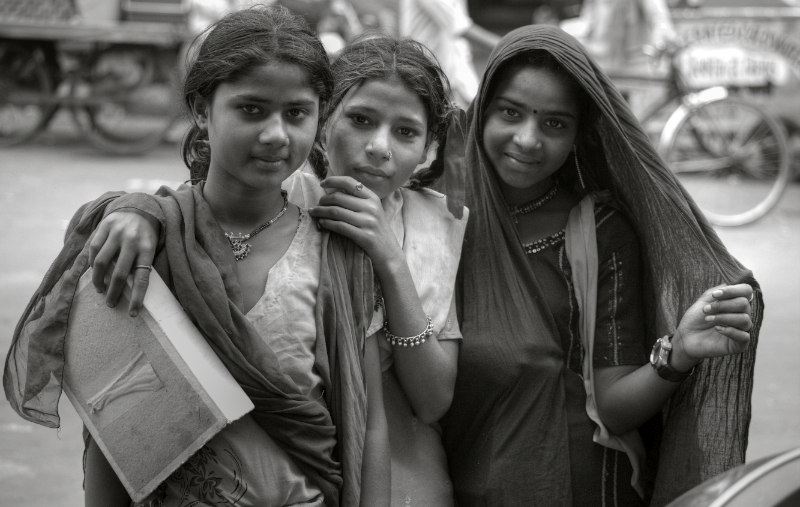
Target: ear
[428,141]
[200,112]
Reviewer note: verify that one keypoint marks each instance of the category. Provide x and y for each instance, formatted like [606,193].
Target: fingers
[123,240]
[738,305]
[740,321]
[326,214]
[739,340]
[141,280]
[119,275]
[370,206]
[344,229]
[347,185]
[99,258]
[732,291]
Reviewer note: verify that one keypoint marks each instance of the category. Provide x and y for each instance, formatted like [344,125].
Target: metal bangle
[409,341]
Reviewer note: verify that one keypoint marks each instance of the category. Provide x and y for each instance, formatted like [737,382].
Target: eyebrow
[368,109]
[258,98]
[520,105]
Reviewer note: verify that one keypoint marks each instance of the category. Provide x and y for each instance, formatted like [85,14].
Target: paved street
[42,183]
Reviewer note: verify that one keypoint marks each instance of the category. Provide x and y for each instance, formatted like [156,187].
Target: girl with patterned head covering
[582,251]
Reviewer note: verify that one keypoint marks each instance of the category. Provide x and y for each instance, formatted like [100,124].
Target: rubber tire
[154,68]
[670,151]
[23,65]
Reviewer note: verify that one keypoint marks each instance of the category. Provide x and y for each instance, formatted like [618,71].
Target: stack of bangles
[409,341]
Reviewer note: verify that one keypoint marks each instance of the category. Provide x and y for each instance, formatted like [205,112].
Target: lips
[371,171]
[270,159]
[522,159]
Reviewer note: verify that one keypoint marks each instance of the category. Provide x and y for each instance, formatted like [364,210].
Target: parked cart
[118,78]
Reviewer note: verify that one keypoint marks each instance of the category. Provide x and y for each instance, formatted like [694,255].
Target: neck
[241,209]
[515,196]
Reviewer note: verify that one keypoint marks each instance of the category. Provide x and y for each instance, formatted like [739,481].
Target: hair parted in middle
[374,55]
[236,44]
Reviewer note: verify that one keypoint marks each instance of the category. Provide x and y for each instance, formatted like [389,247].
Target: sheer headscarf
[706,422]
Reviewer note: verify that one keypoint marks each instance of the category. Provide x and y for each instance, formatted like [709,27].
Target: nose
[380,146]
[273,131]
[528,135]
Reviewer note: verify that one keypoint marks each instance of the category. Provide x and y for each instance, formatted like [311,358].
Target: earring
[578,166]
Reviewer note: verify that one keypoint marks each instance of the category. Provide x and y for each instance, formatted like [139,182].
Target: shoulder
[303,187]
[432,202]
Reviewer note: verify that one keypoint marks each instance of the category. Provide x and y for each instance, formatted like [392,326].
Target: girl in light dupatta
[285,308]
[581,251]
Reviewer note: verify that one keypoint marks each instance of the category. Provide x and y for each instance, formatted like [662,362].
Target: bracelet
[408,341]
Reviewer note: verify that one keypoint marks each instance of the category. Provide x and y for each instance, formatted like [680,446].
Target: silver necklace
[240,248]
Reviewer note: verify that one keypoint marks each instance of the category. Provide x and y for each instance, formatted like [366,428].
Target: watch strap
[659,360]
[666,372]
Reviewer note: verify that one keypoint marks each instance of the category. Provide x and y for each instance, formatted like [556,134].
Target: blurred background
[88,103]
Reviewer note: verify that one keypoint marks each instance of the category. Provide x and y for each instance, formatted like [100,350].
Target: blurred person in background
[446,28]
[616,32]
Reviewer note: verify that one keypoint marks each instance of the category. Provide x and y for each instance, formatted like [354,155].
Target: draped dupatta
[197,264]
[705,423]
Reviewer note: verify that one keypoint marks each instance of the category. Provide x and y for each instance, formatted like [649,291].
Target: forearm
[376,475]
[427,371]
[717,324]
[631,397]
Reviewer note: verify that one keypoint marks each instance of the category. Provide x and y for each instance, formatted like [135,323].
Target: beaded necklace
[541,244]
[524,209]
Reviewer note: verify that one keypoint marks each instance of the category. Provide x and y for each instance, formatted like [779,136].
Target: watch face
[655,354]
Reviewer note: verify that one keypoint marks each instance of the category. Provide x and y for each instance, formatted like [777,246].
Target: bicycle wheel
[25,86]
[133,100]
[731,156]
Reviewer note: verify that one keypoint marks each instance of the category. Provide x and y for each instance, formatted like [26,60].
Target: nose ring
[390,155]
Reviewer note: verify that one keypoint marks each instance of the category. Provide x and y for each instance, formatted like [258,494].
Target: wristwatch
[659,360]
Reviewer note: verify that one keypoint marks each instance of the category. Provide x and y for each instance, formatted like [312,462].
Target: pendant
[238,245]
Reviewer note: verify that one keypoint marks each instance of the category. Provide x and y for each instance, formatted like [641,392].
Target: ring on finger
[142,266]
[359,187]
[752,295]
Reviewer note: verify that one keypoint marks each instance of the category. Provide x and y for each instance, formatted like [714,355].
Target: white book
[149,388]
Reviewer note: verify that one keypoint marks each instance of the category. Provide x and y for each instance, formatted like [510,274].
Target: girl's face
[378,135]
[260,127]
[530,126]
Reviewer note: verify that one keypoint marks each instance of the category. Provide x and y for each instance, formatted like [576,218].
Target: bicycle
[730,154]
[118,82]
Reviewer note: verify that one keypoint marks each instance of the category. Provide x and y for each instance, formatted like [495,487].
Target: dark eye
[406,132]
[556,124]
[297,113]
[360,120]
[510,112]
[250,109]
